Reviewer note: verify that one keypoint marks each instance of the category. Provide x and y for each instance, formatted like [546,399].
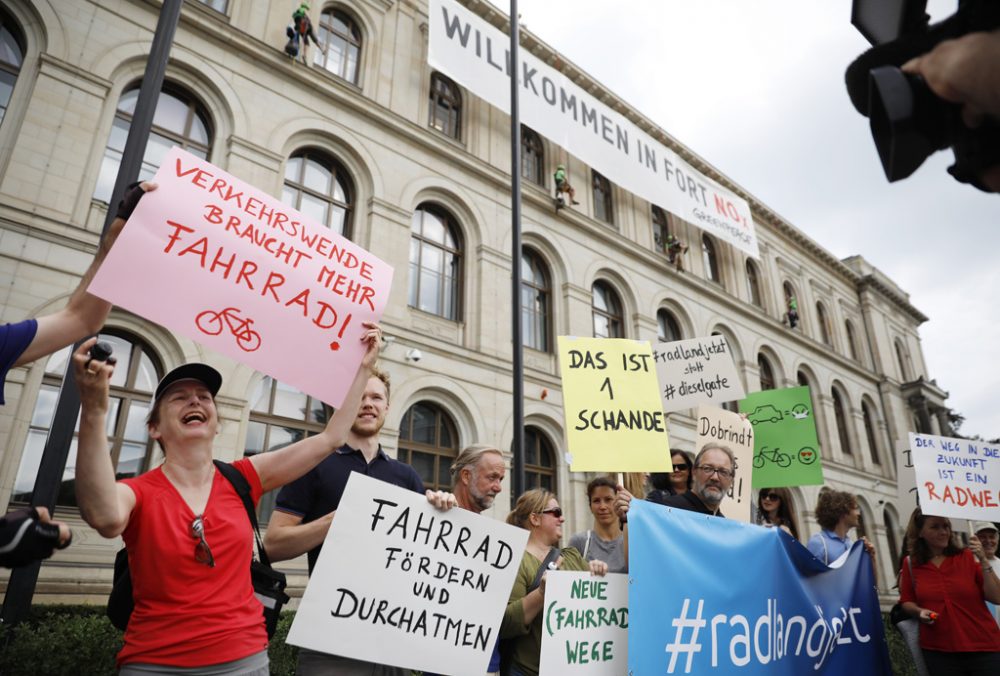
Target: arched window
[539,460]
[766,373]
[904,362]
[135,377]
[711,259]
[446,106]
[852,341]
[660,229]
[668,329]
[535,303]
[603,205]
[180,120]
[342,38]
[753,284]
[435,262]
[12,49]
[318,186]
[280,415]
[840,413]
[869,419]
[824,324]
[428,442]
[532,157]
[607,311]
[803,380]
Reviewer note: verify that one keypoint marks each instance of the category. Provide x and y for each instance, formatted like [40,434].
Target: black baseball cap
[203,373]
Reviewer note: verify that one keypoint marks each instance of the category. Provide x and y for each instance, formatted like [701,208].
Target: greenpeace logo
[738,640]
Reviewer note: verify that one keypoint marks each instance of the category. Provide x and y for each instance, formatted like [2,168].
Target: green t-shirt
[528,638]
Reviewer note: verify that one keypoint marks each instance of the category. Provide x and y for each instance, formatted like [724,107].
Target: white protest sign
[906,478]
[473,52]
[585,625]
[397,573]
[696,371]
[716,425]
[957,478]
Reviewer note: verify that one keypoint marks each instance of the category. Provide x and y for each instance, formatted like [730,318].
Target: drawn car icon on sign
[765,413]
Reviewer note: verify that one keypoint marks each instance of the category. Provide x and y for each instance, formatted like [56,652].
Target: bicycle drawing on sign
[211,323]
[775,456]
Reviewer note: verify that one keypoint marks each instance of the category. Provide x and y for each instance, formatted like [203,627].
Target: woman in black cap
[185,528]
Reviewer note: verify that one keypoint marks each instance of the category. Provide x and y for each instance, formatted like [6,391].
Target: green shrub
[79,640]
[899,653]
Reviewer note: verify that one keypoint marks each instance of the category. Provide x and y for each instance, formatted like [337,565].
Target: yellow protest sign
[611,399]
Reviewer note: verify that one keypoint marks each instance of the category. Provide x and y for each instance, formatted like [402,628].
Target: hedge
[73,640]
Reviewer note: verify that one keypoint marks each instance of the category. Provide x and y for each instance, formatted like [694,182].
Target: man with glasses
[714,469]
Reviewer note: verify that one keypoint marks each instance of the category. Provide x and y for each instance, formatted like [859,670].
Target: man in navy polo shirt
[305,509]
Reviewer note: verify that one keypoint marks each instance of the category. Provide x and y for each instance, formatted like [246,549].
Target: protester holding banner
[305,508]
[603,542]
[774,508]
[186,530]
[713,476]
[837,512]
[538,512]
[945,587]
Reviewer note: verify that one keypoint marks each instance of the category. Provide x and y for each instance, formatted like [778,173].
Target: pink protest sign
[227,265]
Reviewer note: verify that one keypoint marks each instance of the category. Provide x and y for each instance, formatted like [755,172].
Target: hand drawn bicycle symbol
[807,456]
[212,323]
[775,456]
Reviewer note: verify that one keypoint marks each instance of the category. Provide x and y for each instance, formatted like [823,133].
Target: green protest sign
[786,449]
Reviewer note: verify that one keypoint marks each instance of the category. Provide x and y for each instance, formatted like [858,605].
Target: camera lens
[908,122]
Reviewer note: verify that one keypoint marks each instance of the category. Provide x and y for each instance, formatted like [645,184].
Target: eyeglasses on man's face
[708,470]
[555,511]
[202,553]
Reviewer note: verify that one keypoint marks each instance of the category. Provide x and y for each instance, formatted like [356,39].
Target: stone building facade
[407,164]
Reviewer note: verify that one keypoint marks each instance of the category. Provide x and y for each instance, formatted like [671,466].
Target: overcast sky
[757,89]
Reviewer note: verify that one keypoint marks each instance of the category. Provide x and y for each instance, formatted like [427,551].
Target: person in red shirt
[186,530]
[944,586]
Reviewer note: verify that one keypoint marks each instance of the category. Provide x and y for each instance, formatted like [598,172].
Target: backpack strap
[586,547]
[552,556]
[826,551]
[242,488]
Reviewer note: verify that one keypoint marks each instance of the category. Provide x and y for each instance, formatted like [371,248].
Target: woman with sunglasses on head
[186,530]
[774,508]
[945,587]
[538,512]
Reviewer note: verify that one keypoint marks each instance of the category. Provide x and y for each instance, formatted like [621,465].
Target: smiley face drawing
[808,455]
[800,412]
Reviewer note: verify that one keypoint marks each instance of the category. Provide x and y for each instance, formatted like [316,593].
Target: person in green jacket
[562,184]
[537,511]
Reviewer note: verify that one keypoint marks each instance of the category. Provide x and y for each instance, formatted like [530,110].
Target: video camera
[908,121]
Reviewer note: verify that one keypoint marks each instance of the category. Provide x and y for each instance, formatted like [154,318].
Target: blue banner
[715,595]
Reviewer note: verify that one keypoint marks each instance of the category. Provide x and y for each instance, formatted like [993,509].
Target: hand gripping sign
[225,264]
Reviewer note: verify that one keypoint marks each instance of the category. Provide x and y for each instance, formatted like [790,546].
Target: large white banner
[585,625]
[958,478]
[401,583]
[475,54]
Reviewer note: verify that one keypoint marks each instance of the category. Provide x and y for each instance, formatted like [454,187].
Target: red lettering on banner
[962,496]
[247,269]
[274,280]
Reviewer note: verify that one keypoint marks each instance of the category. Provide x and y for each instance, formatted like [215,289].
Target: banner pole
[517,339]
